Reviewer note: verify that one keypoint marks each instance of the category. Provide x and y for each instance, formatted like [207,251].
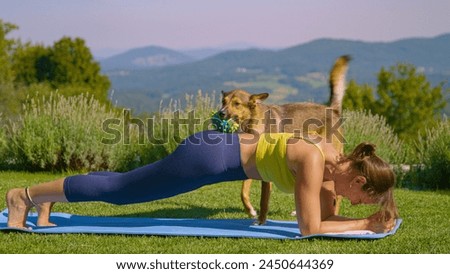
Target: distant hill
[203,53]
[146,57]
[298,73]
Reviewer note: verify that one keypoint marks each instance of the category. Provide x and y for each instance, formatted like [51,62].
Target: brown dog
[255,117]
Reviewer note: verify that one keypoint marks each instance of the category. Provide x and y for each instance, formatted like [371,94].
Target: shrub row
[57,133]
[80,134]
[434,155]
[361,126]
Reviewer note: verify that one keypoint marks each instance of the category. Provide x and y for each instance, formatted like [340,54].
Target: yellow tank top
[271,160]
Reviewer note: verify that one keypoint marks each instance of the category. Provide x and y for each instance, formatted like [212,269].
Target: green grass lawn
[425,228]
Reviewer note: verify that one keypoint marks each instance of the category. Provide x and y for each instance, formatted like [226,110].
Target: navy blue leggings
[204,158]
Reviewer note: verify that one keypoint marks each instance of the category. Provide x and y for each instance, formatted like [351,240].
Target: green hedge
[4,155]
[361,126]
[160,137]
[59,133]
[434,148]
[62,133]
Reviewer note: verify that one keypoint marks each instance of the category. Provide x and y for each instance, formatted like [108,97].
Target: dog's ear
[258,98]
[225,93]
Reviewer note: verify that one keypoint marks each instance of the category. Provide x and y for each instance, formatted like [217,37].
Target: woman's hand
[378,225]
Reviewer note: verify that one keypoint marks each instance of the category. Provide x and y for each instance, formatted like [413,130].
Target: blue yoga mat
[233,228]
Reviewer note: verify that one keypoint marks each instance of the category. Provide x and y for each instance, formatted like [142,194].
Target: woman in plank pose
[313,170]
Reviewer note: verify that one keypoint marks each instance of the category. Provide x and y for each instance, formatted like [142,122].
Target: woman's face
[357,195]
[348,183]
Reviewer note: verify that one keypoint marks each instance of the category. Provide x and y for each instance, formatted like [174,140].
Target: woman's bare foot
[44,211]
[18,207]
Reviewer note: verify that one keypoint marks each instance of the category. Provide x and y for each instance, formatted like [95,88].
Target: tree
[407,99]
[358,97]
[403,96]
[67,66]
[32,64]
[6,47]
[73,64]
[9,102]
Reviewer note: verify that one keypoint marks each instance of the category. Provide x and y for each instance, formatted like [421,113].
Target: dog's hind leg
[266,189]
[245,197]
[338,202]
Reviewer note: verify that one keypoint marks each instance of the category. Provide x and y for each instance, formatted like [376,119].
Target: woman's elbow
[308,230]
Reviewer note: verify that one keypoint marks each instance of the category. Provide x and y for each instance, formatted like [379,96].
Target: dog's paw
[257,222]
[252,213]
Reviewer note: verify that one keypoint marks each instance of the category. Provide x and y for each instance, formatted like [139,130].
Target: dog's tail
[337,82]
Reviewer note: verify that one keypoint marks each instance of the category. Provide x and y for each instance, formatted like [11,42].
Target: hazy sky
[181,24]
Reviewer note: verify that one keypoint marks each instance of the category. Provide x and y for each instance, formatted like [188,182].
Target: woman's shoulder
[300,151]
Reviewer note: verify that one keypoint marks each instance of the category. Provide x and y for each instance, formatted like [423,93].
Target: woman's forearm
[339,218]
[340,224]
[336,224]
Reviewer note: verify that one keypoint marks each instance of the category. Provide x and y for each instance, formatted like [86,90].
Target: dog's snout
[222,112]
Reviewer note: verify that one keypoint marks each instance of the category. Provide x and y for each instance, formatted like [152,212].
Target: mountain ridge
[297,73]
[145,57]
